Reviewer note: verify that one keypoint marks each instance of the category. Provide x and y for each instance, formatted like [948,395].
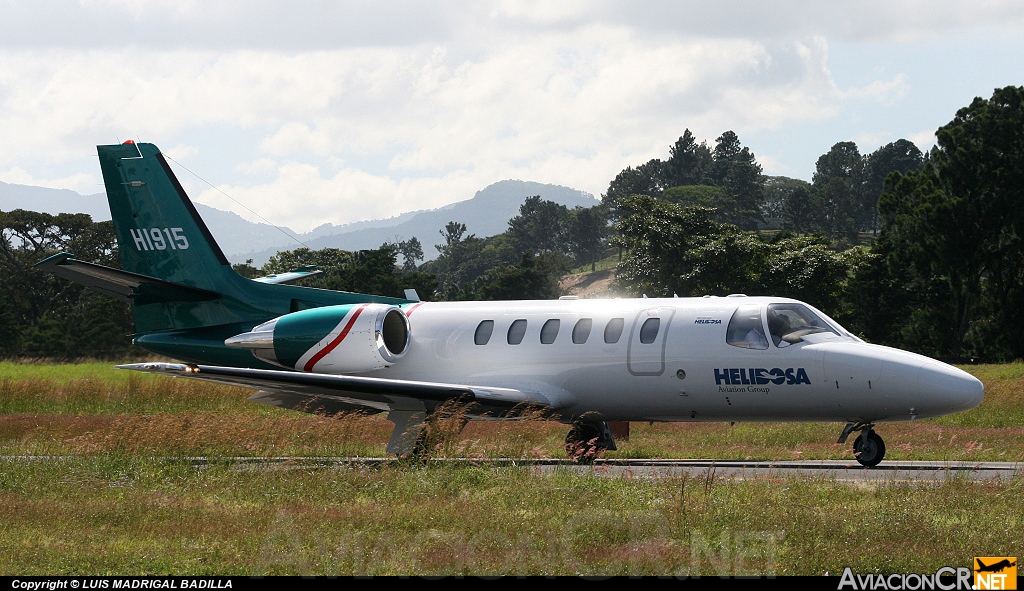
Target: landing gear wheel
[581,443]
[869,448]
[439,431]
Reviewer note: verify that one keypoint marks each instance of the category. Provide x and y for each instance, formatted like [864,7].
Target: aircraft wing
[322,393]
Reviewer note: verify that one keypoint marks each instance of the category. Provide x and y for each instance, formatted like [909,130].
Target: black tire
[581,443]
[869,453]
[438,431]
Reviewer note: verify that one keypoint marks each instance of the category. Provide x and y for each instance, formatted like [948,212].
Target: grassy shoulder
[124,515]
[62,372]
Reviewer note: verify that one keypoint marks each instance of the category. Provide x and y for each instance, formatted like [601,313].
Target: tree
[327,260]
[683,251]
[795,203]
[459,266]
[837,181]
[900,156]
[646,179]
[452,234]
[695,195]
[534,278]
[653,232]
[47,316]
[247,269]
[586,235]
[425,284]
[540,226]
[737,173]
[955,229]
[731,168]
[803,210]
[411,251]
[371,271]
[688,163]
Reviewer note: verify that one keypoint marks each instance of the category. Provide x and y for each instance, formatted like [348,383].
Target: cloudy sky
[309,112]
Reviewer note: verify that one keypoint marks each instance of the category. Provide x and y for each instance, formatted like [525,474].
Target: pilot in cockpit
[778,326]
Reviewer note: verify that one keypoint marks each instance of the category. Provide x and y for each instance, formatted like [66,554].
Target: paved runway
[830,469]
[840,470]
[844,470]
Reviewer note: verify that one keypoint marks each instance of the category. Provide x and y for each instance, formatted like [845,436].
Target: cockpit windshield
[789,323]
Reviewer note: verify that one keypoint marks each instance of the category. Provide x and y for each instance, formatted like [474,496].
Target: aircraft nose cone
[949,389]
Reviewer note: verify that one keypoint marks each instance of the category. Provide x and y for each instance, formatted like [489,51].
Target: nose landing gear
[868,447]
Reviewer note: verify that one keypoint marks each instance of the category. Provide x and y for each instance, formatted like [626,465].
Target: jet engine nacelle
[350,338]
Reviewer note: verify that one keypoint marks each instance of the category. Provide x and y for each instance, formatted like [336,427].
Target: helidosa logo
[735,376]
[707,320]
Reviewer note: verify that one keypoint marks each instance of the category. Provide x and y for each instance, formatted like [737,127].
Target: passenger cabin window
[483,332]
[745,328]
[517,331]
[613,330]
[649,330]
[788,323]
[581,332]
[549,331]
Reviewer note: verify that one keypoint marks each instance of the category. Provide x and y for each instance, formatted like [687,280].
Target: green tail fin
[159,232]
[160,235]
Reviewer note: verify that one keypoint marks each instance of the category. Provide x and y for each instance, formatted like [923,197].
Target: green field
[92,482]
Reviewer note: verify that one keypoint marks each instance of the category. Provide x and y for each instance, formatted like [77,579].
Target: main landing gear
[418,433]
[586,440]
[868,447]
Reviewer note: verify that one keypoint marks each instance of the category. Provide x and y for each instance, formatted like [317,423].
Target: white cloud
[85,184]
[566,110]
[358,109]
[886,92]
[923,140]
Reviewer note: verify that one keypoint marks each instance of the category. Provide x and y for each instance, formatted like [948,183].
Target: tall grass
[48,410]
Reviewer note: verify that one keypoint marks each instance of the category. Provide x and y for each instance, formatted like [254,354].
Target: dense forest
[921,251]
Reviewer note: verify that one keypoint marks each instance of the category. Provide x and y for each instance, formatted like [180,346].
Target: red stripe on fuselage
[337,340]
[408,312]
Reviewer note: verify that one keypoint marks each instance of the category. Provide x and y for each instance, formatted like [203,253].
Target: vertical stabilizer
[160,235]
[159,232]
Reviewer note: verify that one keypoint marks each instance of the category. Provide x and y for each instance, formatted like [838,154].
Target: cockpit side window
[745,328]
[787,323]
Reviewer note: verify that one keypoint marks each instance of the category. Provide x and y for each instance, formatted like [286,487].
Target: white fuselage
[683,370]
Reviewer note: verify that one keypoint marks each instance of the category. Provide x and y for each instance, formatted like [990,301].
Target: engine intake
[351,338]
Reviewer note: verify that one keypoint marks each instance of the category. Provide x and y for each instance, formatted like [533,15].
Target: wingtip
[159,367]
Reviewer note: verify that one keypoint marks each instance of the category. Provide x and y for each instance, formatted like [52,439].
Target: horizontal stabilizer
[130,287]
[290,276]
[373,393]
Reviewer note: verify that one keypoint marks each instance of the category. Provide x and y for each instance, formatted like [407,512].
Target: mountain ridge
[485,214]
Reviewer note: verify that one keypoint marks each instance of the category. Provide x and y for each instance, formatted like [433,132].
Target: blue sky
[316,112]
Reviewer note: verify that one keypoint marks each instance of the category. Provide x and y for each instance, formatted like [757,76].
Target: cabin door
[645,355]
